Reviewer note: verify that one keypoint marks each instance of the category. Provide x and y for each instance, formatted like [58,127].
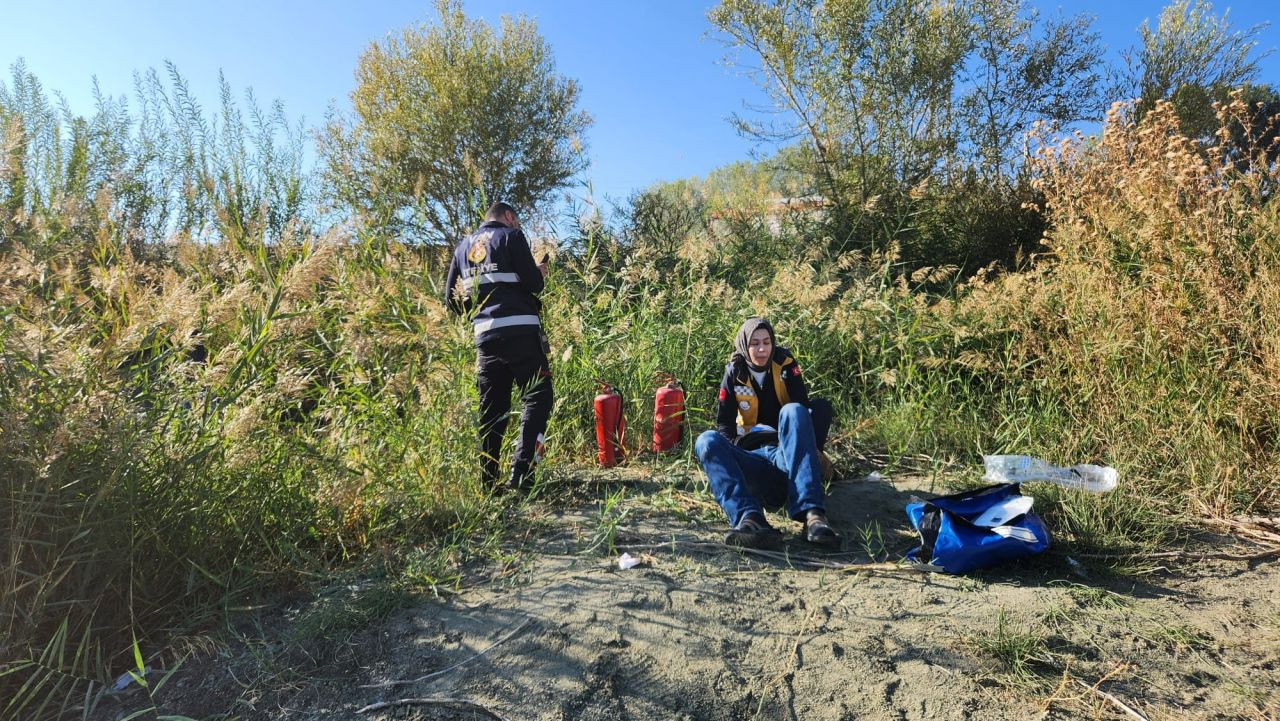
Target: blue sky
[651,78]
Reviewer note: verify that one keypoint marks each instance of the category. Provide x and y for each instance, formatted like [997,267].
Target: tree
[450,117]
[903,103]
[856,81]
[1190,47]
[1025,70]
[889,93]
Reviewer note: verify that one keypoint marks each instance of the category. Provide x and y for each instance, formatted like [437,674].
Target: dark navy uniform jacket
[493,274]
[743,403]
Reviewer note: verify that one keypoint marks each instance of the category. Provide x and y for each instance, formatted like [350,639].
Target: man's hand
[543,268]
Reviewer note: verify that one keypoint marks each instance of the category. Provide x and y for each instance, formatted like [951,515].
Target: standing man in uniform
[494,278]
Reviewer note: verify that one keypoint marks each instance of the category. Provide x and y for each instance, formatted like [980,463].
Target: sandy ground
[701,631]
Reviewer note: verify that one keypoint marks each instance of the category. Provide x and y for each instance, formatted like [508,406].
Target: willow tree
[912,112]
[1197,60]
[908,90]
[1190,48]
[448,117]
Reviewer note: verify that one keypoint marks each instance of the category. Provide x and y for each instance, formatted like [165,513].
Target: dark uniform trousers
[501,363]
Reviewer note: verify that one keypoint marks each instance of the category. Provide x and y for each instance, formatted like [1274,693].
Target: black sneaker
[753,531]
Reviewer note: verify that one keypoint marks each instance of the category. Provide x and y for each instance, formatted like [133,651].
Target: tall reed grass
[1150,324]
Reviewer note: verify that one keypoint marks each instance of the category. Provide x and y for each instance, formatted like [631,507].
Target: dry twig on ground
[1059,694]
[1265,552]
[1258,528]
[454,703]
[1112,700]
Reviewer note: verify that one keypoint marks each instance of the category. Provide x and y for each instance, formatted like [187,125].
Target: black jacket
[742,402]
[493,274]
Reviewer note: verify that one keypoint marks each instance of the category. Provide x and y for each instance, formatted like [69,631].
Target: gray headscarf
[743,340]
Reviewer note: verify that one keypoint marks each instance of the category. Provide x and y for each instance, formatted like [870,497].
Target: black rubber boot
[521,477]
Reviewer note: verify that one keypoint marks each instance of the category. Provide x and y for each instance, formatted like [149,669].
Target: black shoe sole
[749,539]
[830,542]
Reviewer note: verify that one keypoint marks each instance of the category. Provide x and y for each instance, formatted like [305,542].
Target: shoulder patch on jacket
[795,370]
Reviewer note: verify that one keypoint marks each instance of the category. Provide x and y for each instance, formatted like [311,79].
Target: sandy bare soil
[701,631]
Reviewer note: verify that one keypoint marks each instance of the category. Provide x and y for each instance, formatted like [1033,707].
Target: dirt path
[703,632]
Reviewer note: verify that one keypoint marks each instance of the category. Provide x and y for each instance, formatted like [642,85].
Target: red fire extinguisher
[668,416]
[610,427]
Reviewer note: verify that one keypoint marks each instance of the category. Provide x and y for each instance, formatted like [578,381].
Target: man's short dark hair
[498,210]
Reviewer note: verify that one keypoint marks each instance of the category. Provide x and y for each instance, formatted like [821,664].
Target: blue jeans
[788,474]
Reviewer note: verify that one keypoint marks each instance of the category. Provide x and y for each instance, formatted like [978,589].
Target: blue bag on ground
[976,529]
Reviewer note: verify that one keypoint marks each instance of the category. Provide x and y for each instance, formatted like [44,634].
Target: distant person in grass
[766,451]
[494,278]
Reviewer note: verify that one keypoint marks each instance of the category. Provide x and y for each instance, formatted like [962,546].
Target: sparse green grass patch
[1178,638]
[1020,652]
[1092,596]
